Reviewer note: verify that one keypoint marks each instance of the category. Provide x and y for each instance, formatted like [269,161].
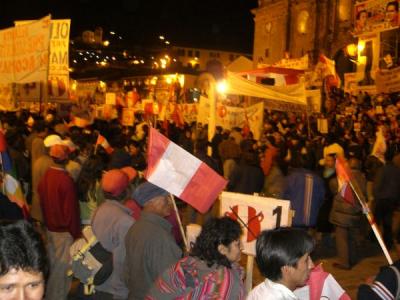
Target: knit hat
[116,181]
[147,191]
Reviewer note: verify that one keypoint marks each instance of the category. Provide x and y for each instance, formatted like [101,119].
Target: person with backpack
[110,223]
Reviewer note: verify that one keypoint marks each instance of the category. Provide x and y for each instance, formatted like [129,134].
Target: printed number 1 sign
[257,213]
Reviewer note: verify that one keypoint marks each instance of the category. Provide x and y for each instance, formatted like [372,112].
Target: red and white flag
[102,141]
[379,148]
[326,67]
[321,285]
[281,76]
[79,122]
[343,174]
[180,173]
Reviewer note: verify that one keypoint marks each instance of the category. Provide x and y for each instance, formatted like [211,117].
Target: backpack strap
[85,248]
[396,271]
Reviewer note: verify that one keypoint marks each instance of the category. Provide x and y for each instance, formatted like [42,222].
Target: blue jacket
[306,193]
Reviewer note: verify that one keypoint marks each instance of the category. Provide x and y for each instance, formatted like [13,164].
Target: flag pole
[371,221]
[179,222]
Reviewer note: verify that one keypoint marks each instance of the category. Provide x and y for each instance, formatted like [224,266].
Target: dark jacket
[387,183]
[247,177]
[343,213]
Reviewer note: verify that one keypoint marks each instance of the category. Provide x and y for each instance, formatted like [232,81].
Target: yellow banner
[58,76]
[24,52]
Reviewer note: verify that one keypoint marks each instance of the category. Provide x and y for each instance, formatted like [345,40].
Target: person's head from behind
[115,183]
[219,242]
[283,255]
[153,199]
[133,148]
[59,154]
[23,262]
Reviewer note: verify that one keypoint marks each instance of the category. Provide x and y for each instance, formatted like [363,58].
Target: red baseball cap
[59,152]
[116,181]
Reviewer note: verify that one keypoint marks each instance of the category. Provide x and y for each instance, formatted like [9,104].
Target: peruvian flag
[102,141]
[327,69]
[343,173]
[379,148]
[177,116]
[11,187]
[79,122]
[180,173]
[281,76]
[321,285]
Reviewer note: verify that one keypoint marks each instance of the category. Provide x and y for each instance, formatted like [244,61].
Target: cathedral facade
[294,28]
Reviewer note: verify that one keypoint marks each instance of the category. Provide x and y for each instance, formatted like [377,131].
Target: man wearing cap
[110,223]
[60,211]
[39,168]
[150,246]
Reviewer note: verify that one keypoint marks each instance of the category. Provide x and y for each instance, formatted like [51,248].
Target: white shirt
[269,290]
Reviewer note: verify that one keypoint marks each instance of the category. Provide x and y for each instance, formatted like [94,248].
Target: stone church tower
[295,28]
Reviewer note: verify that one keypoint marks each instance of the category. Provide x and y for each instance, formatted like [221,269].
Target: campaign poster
[255,214]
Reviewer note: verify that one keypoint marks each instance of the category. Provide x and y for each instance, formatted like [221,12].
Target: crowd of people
[75,177]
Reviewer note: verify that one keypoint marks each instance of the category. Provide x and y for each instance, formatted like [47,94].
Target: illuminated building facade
[294,28]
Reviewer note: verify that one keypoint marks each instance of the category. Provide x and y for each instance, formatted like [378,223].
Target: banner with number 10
[255,214]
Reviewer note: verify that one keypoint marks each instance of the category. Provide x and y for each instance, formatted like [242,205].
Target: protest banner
[28,91]
[58,74]
[24,52]
[375,16]
[58,61]
[189,111]
[256,214]
[388,81]
[293,63]
[128,117]
[85,90]
[351,84]
[111,99]
[229,117]
[322,125]
[6,101]
[314,100]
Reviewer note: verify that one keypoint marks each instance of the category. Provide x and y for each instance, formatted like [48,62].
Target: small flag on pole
[11,186]
[379,148]
[102,141]
[343,173]
[180,173]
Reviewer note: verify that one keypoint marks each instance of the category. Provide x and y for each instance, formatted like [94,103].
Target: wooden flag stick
[179,222]
[249,273]
[371,221]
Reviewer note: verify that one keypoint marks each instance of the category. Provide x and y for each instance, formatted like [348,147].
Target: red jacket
[59,203]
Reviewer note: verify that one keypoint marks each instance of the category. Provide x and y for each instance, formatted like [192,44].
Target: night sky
[220,24]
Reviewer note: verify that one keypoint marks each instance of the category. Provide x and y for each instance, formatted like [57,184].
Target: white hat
[52,139]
